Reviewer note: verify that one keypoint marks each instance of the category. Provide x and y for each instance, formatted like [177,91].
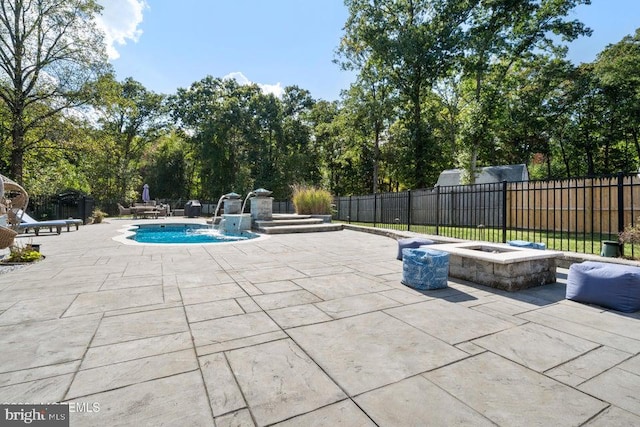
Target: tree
[371,101]
[413,43]
[499,34]
[588,111]
[301,162]
[340,149]
[166,167]
[533,109]
[617,69]
[131,118]
[243,137]
[50,51]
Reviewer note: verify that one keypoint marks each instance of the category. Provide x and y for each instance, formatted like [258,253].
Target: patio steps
[285,223]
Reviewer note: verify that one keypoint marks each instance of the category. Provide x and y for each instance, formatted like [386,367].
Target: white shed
[486,175]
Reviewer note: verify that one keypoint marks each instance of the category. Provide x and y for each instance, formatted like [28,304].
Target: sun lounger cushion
[526,244]
[608,285]
[425,269]
[36,226]
[412,243]
[28,222]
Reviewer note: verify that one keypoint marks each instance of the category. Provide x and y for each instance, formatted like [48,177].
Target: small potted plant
[97,216]
[21,254]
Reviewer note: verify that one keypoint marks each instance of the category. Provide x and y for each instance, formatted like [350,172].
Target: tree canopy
[439,84]
[50,53]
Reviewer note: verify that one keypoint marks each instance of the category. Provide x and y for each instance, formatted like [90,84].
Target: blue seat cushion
[425,268]
[608,285]
[526,244]
[412,243]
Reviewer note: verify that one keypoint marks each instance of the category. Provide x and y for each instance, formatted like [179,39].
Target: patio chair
[6,237]
[123,211]
[164,210]
[14,200]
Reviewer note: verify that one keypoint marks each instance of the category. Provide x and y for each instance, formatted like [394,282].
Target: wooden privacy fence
[587,205]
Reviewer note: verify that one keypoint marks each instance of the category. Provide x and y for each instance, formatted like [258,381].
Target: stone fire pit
[500,266]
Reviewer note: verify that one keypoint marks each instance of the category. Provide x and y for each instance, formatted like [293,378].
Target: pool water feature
[185,233]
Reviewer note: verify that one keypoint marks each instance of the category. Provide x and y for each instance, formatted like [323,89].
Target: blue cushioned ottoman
[526,244]
[412,243]
[425,269]
[608,285]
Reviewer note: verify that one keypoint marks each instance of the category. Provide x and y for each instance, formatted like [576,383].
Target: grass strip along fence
[588,244]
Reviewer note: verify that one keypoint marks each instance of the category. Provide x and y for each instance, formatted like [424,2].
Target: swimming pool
[184,233]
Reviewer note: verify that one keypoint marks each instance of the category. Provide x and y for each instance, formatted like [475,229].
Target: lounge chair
[6,237]
[30,223]
[24,227]
[124,211]
[164,210]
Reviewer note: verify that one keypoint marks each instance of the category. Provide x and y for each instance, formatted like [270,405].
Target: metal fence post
[620,202]
[349,213]
[408,210]
[504,211]
[437,210]
[620,208]
[375,208]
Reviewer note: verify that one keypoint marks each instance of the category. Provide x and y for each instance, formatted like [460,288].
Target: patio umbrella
[145,193]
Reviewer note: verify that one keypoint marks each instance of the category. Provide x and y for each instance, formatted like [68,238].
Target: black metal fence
[283,207]
[571,215]
[61,206]
[207,206]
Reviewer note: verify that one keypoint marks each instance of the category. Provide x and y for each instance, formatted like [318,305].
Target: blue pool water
[185,233]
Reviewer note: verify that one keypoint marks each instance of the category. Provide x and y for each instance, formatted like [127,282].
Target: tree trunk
[376,155]
[565,160]
[17,149]
[634,134]
[17,159]
[419,144]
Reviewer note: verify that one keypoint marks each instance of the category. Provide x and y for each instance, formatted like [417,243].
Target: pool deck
[300,330]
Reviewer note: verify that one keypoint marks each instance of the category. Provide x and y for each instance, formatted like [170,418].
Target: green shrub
[97,216]
[311,200]
[24,253]
[631,234]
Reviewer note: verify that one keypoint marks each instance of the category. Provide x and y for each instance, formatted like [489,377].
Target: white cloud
[275,89]
[119,21]
[238,77]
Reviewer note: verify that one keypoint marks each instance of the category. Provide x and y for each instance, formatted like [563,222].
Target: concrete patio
[300,330]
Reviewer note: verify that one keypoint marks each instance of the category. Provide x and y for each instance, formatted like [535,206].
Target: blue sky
[166,44]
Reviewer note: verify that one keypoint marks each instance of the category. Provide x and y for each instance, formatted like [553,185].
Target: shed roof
[487,175]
